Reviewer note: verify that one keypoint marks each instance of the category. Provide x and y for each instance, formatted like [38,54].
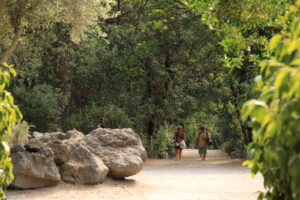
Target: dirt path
[190,179]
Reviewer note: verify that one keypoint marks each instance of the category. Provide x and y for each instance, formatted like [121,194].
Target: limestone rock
[74,135]
[17,147]
[120,149]
[83,167]
[60,150]
[77,158]
[33,170]
[34,145]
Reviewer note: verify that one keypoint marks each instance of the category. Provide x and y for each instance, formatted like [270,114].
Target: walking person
[179,142]
[201,141]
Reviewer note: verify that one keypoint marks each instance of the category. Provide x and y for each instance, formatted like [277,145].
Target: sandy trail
[190,179]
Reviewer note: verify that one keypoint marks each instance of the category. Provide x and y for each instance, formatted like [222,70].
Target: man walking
[201,140]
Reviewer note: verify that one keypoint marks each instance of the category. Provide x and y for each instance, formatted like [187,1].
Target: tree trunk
[167,69]
[119,10]
[7,54]
[67,92]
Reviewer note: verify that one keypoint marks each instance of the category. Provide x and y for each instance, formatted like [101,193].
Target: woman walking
[201,141]
[179,142]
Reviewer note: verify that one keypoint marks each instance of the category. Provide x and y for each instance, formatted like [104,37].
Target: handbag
[182,144]
[176,144]
[208,140]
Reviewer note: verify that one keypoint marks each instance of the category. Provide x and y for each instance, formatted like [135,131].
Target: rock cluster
[73,157]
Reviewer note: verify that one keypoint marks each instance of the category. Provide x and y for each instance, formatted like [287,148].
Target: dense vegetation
[153,65]
[146,65]
[9,115]
[275,151]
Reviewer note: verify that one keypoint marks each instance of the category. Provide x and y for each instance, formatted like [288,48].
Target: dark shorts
[177,147]
[202,150]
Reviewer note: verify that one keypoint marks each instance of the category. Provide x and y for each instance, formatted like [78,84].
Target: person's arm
[197,142]
[174,136]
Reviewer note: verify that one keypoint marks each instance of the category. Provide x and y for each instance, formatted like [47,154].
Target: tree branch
[7,54]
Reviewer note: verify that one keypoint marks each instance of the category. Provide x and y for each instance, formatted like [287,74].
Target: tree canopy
[19,14]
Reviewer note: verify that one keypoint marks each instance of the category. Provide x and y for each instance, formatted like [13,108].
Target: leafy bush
[226,146]
[92,116]
[41,106]
[275,150]
[233,147]
[19,133]
[163,146]
[9,114]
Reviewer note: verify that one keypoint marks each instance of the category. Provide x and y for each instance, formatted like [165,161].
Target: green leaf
[293,8]
[295,62]
[259,112]
[13,72]
[254,109]
[282,158]
[274,41]
[295,45]
[296,183]
[247,163]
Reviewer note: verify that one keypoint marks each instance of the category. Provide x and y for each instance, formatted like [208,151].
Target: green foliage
[245,25]
[192,126]
[41,106]
[9,115]
[163,145]
[244,28]
[156,62]
[36,13]
[275,150]
[91,116]
[233,137]
[19,133]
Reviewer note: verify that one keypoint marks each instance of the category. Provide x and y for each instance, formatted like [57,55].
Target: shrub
[275,150]
[106,116]
[233,147]
[19,133]
[163,146]
[9,114]
[40,106]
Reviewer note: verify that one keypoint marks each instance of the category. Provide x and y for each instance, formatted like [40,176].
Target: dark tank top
[179,136]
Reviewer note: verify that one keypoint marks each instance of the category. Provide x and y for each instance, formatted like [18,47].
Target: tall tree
[17,14]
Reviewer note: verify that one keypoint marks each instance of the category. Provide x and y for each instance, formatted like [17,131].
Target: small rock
[34,145]
[17,147]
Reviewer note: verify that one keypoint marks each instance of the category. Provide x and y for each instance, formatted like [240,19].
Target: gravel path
[190,179]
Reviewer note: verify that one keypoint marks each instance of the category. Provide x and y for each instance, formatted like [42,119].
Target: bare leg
[180,154]
[177,154]
[204,156]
